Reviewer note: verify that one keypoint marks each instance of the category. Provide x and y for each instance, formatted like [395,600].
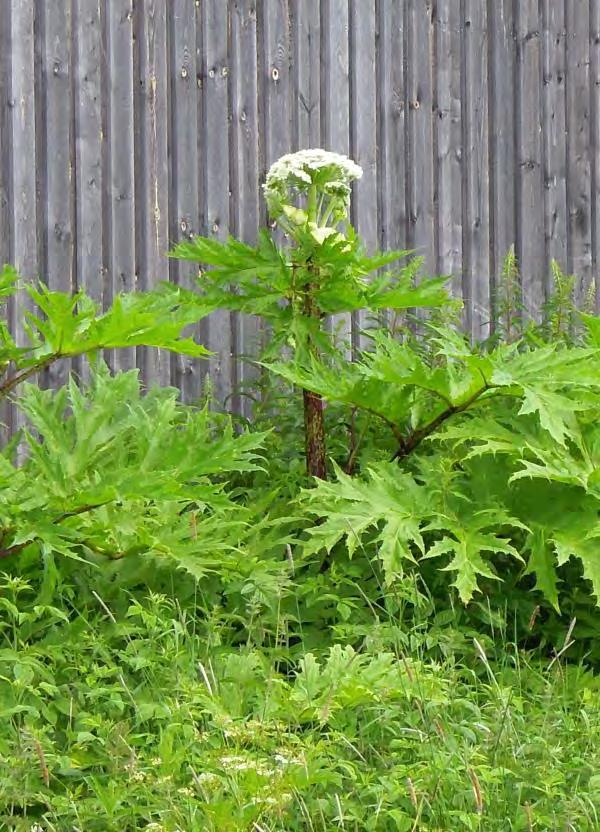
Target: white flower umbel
[317,179]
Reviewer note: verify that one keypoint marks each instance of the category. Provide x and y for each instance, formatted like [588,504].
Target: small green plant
[320,270]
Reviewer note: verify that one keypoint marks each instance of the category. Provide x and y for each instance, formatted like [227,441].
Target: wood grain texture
[363,137]
[595,144]
[419,114]
[554,135]
[305,25]
[530,194]
[448,170]
[335,103]
[502,69]
[579,196]
[215,165]
[245,155]
[152,165]
[186,373]
[475,154]
[392,131]
[120,190]
[23,213]
[89,139]
[125,126]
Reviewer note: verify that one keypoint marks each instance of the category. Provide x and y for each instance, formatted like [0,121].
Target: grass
[143,720]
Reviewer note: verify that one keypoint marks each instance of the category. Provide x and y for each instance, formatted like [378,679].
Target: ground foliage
[195,636]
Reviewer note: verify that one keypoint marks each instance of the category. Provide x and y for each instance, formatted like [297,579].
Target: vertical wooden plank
[578,147]
[392,206]
[306,72]
[121,185]
[184,213]
[215,141]
[277,79]
[59,228]
[419,183]
[595,142]
[335,102]
[245,166]
[57,213]
[6,112]
[23,185]
[151,198]
[475,150]
[5,134]
[554,135]
[503,165]
[448,134]
[363,137]
[530,246]
[88,149]
[22,102]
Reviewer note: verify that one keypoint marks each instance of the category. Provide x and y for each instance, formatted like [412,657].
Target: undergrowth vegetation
[373,606]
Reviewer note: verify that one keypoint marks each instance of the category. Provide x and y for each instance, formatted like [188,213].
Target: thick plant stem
[314,423]
[314,431]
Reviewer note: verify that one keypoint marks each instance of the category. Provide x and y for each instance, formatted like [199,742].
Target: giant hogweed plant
[320,269]
[497,453]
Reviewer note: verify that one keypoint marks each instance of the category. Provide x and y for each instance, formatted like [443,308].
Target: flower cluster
[295,173]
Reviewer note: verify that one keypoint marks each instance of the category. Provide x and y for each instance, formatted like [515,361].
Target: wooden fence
[125,126]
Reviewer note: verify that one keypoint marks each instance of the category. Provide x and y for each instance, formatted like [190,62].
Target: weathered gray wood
[244,172]
[363,120]
[56,203]
[554,135]
[530,192]
[305,25]
[88,148]
[23,220]
[503,163]
[121,138]
[335,101]
[184,213]
[447,124]
[475,155]
[216,149]
[392,204]
[135,123]
[595,142]
[578,147]
[5,174]
[419,172]
[5,129]
[153,167]
[276,79]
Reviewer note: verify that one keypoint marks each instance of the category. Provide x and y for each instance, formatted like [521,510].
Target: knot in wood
[275,74]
